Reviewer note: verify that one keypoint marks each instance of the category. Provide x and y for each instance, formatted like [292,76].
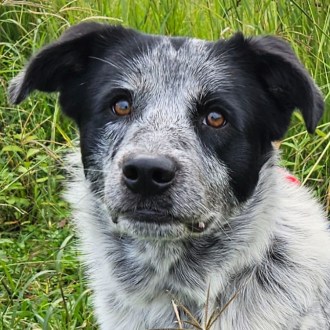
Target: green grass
[42,285]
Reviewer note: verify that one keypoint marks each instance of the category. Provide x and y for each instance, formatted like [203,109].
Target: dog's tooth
[201,225]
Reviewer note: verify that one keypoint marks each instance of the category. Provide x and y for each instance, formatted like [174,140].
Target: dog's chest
[149,270]
[146,279]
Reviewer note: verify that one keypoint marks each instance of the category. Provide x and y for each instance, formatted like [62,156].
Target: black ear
[287,82]
[60,62]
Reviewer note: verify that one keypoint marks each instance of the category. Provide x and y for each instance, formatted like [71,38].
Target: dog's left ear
[286,81]
[62,62]
[56,63]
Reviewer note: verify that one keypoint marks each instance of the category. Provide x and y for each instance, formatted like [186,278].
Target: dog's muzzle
[149,176]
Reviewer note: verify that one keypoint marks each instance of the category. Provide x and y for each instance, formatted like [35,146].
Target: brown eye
[215,120]
[122,108]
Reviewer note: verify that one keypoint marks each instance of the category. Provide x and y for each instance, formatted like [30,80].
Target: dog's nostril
[163,175]
[131,172]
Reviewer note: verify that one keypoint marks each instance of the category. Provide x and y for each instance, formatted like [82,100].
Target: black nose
[148,175]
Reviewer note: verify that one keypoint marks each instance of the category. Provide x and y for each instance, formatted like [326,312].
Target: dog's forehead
[175,65]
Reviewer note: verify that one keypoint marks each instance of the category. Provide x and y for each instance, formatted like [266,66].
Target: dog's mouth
[151,217]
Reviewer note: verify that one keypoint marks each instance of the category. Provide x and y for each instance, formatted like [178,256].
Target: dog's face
[174,131]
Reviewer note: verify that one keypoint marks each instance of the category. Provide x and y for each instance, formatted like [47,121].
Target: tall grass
[41,281]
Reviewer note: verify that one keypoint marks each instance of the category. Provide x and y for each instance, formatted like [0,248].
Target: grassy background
[42,285]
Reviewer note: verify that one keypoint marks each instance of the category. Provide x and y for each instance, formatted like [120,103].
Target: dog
[184,215]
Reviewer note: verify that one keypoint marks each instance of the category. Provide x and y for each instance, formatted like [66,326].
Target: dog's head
[173,131]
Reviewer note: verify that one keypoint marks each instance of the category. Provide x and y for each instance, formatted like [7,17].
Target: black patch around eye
[237,144]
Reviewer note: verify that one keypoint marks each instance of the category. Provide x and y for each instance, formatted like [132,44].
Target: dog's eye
[215,120]
[122,108]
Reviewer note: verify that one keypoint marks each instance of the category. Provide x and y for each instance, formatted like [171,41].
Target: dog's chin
[155,225]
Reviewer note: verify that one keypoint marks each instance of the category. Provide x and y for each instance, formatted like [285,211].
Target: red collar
[289,177]
[292,179]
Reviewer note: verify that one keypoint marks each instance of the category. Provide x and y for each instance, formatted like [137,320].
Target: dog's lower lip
[150,216]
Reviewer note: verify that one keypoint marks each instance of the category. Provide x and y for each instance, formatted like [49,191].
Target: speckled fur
[274,254]
[267,245]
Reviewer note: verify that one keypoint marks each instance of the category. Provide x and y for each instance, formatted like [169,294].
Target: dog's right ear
[65,59]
